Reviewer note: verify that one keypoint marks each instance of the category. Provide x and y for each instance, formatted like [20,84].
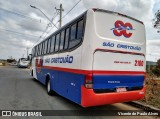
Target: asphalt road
[19,91]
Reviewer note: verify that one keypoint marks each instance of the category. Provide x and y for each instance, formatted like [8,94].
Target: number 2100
[138,63]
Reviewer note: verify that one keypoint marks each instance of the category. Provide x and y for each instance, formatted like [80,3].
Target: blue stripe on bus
[65,84]
[114,81]
[68,84]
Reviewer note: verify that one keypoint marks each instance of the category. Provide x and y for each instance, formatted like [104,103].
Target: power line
[71,9]
[43,14]
[46,28]
[21,15]
[66,14]
[49,30]
[44,36]
[61,19]
[48,25]
[19,33]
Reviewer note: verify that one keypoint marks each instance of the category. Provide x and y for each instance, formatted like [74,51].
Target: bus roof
[112,12]
[83,14]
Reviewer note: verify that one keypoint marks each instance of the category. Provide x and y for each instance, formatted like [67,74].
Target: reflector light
[89,86]
[88,81]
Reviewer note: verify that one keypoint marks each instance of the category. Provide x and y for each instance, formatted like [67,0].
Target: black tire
[49,91]
[32,73]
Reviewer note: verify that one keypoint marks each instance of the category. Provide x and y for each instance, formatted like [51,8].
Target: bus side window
[61,41]
[49,45]
[46,46]
[35,54]
[40,48]
[72,41]
[66,39]
[43,49]
[80,30]
[37,50]
[52,44]
[57,42]
[76,34]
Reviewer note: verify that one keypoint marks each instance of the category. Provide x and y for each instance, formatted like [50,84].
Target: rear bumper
[89,98]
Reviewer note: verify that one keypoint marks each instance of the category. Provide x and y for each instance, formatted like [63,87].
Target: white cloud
[139,9]
[153,52]
[103,4]
[12,43]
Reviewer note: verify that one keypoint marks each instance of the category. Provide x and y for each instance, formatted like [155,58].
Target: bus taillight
[88,81]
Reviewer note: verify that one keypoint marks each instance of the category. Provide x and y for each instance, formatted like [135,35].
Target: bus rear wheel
[49,91]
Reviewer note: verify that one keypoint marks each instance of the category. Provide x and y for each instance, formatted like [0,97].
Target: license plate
[121,90]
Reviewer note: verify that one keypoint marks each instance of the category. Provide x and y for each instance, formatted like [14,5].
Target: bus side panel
[66,84]
[41,76]
[54,77]
[40,71]
[63,79]
[69,86]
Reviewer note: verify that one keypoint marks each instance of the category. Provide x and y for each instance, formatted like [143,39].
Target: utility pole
[60,18]
[60,14]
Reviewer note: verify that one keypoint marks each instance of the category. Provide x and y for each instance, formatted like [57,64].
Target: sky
[21,26]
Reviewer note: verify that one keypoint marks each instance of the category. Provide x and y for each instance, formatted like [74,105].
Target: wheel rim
[48,86]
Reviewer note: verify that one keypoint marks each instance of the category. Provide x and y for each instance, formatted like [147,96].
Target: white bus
[96,59]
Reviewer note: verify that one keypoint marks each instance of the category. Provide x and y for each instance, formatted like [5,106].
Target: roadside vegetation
[152,96]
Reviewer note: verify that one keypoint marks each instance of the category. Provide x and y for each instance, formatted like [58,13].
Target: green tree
[156,70]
